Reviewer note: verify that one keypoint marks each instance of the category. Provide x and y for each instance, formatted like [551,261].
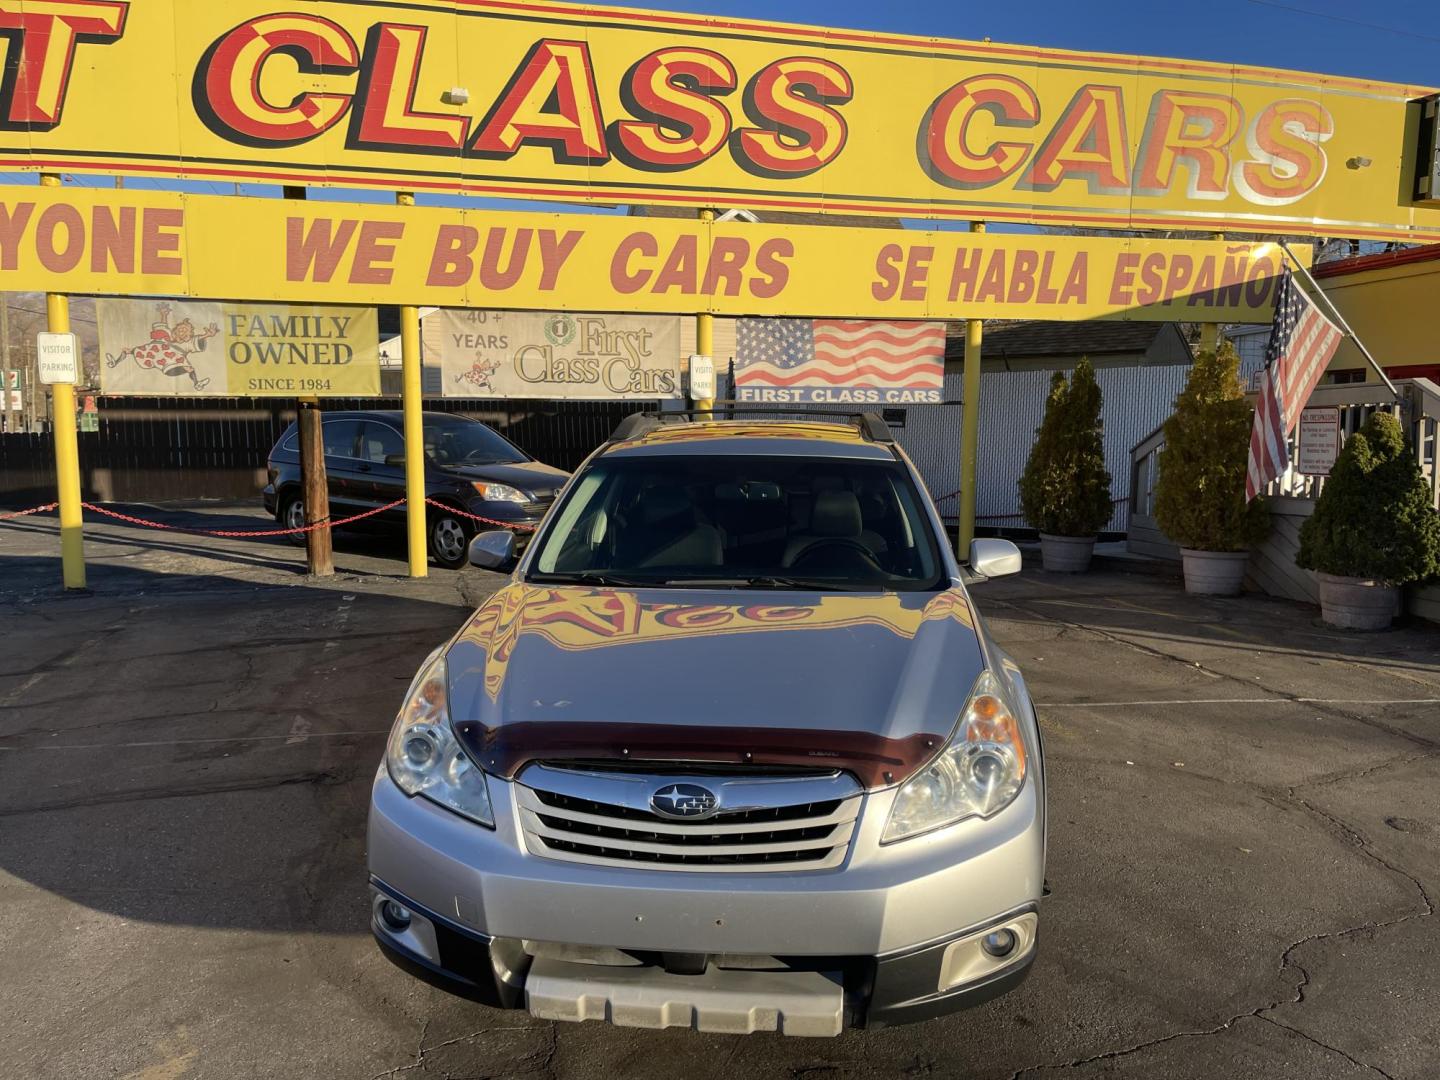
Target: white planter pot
[1214,573]
[1357,603]
[1066,554]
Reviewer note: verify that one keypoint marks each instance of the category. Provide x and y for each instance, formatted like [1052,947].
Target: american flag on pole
[839,360]
[1302,341]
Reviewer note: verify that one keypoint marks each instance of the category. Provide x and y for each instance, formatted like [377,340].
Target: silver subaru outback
[731,750]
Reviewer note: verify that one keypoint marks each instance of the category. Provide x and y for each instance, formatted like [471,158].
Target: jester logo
[560,330]
[170,349]
[480,374]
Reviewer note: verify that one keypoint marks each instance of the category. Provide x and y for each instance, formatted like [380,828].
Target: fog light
[999,943]
[395,917]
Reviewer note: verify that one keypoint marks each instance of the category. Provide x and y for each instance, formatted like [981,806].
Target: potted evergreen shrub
[1065,489]
[1200,493]
[1374,529]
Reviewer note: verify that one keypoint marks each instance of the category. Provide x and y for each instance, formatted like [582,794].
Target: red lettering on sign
[1089,143]
[554,251]
[373,250]
[797,127]
[112,240]
[228,80]
[679,271]
[451,263]
[680,124]
[41,55]
[946,153]
[313,253]
[886,266]
[13,220]
[917,271]
[621,277]
[160,241]
[728,256]
[770,261]
[1190,129]
[1287,157]
[52,219]
[557,72]
[492,274]
[385,117]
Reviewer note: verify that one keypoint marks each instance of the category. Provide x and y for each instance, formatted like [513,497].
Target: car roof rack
[871,425]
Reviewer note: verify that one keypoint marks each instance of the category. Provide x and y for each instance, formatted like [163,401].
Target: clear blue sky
[1394,40]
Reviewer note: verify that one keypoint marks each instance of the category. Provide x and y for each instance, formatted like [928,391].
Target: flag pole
[1340,320]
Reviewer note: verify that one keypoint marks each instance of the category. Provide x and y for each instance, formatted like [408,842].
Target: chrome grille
[764,823]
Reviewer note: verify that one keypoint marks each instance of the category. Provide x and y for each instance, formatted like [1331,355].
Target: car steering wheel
[835,541]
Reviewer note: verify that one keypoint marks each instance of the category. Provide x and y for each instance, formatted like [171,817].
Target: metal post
[970,427]
[705,327]
[412,388]
[67,447]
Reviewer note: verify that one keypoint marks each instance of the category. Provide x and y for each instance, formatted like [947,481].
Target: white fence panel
[1012,403]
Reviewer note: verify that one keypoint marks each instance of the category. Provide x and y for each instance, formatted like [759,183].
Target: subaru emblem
[684,801]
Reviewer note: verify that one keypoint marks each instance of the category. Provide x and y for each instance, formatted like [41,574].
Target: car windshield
[743,522]
[459,441]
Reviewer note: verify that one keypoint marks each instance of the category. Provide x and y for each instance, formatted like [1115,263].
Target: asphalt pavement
[1244,855]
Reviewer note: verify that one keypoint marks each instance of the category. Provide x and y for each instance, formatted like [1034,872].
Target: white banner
[536,354]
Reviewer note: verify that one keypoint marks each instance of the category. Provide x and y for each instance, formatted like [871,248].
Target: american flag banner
[1302,341]
[840,360]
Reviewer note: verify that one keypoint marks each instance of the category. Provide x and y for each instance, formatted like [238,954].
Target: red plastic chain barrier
[324,524]
[516,525]
[27,513]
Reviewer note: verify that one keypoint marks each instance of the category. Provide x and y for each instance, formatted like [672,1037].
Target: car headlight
[499,492]
[424,757]
[978,774]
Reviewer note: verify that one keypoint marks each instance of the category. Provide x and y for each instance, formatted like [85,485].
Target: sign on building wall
[132,242]
[592,104]
[213,349]
[535,354]
[1319,441]
[840,361]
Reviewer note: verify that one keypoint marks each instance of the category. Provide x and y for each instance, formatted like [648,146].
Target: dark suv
[468,467]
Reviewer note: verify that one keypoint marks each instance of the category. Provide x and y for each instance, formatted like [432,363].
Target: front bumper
[884,927]
[796,995]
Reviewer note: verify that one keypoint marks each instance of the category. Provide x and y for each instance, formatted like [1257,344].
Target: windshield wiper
[594,577]
[770,581]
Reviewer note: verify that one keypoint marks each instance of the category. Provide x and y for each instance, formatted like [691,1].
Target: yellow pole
[414,430]
[970,427]
[67,447]
[705,329]
[1210,332]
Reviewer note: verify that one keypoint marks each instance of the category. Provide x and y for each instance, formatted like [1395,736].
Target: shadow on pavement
[203,757]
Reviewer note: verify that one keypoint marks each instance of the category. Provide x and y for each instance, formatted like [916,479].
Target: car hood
[873,684]
[528,476]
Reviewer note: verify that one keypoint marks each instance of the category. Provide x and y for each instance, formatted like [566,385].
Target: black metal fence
[163,449]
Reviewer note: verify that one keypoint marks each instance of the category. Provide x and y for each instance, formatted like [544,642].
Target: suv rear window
[760,521]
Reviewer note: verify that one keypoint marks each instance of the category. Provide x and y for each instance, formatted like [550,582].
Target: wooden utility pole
[315,489]
[314,484]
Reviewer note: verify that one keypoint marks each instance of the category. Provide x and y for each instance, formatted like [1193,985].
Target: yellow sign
[205,348]
[609,105]
[128,242]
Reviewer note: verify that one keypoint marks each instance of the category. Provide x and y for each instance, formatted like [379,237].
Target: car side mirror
[493,550]
[994,558]
[394,459]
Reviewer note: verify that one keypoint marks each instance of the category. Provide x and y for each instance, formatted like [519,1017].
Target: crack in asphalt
[421,1050]
[324,778]
[1346,831]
